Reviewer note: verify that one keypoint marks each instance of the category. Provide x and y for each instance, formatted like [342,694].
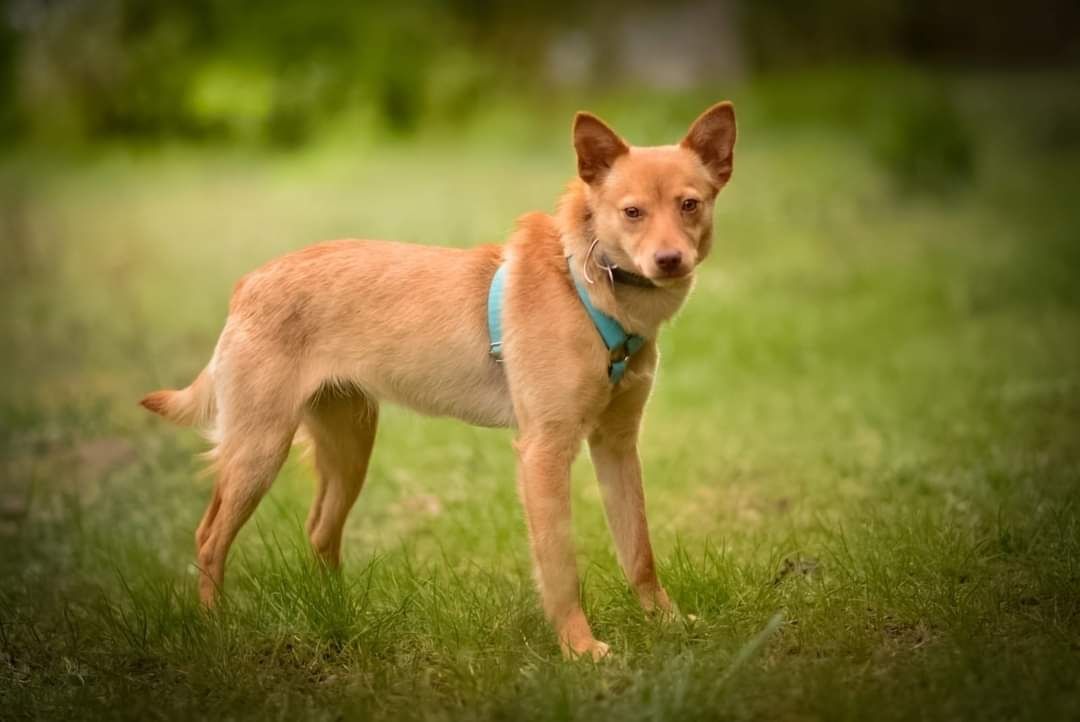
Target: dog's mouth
[661,276]
[671,278]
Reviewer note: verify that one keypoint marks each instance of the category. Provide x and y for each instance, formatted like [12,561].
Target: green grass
[861,457]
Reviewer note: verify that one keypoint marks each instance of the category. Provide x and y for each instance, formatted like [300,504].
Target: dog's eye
[690,205]
[632,212]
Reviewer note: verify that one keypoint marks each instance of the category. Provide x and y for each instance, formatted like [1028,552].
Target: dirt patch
[34,470]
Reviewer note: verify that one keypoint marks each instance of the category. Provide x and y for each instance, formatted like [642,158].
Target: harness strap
[620,344]
[494,312]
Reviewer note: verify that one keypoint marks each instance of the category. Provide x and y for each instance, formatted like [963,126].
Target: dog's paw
[673,616]
[590,650]
[660,607]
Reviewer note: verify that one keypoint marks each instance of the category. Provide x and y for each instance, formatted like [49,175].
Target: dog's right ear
[712,137]
[597,147]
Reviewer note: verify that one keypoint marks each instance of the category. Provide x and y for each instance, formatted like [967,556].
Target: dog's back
[398,322]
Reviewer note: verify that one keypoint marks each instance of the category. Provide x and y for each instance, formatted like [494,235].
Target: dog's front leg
[613,447]
[544,484]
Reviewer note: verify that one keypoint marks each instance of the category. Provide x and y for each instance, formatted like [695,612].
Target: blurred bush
[909,120]
[923,142]
[269,71]
[276,72]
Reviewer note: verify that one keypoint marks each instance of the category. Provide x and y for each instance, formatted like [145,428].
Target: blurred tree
[274,71]
[923,142]
[9,120]
[785,33]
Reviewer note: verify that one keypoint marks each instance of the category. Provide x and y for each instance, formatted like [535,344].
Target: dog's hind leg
[246,470]
[342,429]
[258,422]
[203,532]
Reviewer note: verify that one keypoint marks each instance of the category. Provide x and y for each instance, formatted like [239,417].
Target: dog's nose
[668,261]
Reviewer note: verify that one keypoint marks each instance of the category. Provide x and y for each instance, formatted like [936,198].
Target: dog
[315,340]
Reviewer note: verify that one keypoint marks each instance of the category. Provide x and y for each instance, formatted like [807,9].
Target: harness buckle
[619,354]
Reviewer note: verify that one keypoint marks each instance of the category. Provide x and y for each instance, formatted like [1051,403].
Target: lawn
[862,460]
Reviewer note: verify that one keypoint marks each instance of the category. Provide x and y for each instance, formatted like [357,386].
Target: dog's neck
[634,301]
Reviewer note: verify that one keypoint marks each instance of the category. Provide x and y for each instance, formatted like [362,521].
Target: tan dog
[319,337]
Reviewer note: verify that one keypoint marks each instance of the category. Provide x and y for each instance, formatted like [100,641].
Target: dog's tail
[193,406]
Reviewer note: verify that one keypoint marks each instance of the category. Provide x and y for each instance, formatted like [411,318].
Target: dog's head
[652,207]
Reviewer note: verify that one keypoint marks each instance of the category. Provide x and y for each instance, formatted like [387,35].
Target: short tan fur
[317,339]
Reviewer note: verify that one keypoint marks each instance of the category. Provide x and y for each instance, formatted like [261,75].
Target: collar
[619,275]
[616,274]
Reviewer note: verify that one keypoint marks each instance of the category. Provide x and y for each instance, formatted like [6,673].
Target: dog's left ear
[712,137]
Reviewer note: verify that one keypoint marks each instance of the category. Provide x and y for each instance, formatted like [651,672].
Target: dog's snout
[668,261]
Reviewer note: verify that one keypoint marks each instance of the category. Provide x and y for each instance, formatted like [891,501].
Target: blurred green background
[282,74]
[861,455]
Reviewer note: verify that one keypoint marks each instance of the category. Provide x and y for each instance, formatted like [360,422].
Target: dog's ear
[597,147]
[712,137]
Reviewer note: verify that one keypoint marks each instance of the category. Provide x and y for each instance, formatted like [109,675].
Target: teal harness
[620,344]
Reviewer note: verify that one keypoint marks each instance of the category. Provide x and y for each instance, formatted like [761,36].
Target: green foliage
[925,143]
[910,121]
[277,73]
[263,72]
